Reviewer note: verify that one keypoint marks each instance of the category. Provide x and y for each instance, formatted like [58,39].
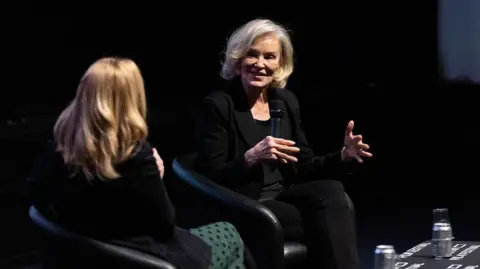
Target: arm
[149,188]
[308,162]
[213,150]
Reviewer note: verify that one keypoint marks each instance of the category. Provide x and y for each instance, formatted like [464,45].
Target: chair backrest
[78,248]
[187,161]
[209,201]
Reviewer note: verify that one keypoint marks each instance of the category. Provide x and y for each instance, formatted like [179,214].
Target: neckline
[264,122]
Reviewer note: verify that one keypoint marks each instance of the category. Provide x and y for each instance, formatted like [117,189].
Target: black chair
[65,249]
[261,231]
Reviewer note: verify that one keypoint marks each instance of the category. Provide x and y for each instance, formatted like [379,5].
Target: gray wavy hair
[242,39]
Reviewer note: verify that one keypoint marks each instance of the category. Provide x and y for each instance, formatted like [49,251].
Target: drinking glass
[440,215]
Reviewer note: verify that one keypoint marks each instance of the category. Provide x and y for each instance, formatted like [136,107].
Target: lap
[314,194]
[225,242]
[294,206]
[323,188]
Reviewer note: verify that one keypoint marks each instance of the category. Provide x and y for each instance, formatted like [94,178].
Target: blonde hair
[242,39]
[105,120]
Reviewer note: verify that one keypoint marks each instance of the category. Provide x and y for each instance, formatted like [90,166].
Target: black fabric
[228,130]
[319,214]
[134,210]
[273,180]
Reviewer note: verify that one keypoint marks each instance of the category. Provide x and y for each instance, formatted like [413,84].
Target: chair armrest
[350,204]
[136,258]
[260,229]
[121,255]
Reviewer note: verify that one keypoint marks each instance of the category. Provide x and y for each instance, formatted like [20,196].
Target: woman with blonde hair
[238,148]
[101,178]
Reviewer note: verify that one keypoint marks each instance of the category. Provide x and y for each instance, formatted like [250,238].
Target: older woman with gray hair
[238,150]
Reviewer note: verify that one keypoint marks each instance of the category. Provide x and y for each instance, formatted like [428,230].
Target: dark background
[376,63]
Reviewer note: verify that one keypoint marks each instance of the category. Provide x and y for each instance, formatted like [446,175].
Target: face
[256,69]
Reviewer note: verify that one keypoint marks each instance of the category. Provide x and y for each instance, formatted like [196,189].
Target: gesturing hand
[159,161]
[271,148]
[354,146]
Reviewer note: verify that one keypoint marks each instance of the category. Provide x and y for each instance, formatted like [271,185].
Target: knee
[232,232]
[229,228]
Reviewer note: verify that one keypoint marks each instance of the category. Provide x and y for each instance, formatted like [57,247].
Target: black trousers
[317,213]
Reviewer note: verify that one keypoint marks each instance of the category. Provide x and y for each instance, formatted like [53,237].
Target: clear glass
[442,235]
[440,215]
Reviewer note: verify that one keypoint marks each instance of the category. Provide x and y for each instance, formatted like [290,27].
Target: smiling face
[257,67]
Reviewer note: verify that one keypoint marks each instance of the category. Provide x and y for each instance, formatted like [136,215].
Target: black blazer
[228,130]
[133,211]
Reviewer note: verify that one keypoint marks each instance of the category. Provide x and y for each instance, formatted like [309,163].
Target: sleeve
[214,149]
[151,190]
[308,162]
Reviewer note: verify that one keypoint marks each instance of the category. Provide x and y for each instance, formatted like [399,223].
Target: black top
[133,211]
[228,130]
[272,177]
[135,204]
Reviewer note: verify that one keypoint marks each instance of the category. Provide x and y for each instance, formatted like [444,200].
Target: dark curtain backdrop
[376,63]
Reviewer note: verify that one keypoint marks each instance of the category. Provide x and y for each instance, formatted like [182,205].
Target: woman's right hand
[159,161]
[271,148]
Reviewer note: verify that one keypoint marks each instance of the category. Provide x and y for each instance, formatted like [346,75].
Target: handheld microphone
[276,115]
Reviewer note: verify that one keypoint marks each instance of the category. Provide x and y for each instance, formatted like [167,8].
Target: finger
[365,154]
[363,146]
[357,138]
[285,156]
[273,156]
[360,160]
[282,141]
[287,148]
[284,161]
[349,128]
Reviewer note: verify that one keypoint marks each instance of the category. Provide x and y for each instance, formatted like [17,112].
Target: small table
[466,255]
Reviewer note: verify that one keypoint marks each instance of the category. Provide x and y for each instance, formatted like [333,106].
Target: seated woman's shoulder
[217,95]
[287,95]
[217,98]
[141,158]
[142,149]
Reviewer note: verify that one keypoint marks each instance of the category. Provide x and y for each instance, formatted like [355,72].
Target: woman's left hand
[353,146]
